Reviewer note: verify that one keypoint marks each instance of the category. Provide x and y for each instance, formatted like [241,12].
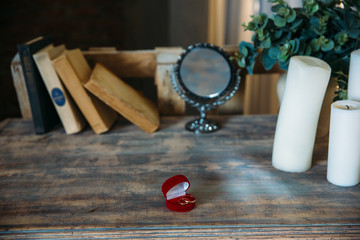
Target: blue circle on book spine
[58,96]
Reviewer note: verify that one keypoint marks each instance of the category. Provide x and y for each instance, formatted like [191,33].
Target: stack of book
[62,87]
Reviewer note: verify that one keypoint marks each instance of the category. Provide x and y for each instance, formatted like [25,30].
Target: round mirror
[205,77]
[205,72]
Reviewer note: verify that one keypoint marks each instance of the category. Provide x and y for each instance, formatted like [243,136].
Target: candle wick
[347,107]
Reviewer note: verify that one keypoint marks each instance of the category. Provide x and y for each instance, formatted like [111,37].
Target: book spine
[25,57]
[43,111]
[99,116]
[70,116]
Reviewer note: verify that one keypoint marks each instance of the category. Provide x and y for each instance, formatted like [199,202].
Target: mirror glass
[205,72]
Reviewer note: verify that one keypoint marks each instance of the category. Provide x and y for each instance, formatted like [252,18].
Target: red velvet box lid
[174,190]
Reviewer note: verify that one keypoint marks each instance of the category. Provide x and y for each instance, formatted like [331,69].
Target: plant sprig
[326,29]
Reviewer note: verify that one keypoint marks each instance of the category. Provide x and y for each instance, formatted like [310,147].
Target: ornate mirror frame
[203,103]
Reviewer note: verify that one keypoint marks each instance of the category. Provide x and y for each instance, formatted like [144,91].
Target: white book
[70,116]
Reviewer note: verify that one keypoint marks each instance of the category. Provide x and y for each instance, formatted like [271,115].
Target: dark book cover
[43,111]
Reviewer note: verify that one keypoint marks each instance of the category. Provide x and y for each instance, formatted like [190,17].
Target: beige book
[123,98]
[20,87]
[74,71]
[69,114]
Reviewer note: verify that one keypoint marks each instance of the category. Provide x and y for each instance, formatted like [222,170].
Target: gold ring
[190,198]
[186,200]
[183,201]
[190,201]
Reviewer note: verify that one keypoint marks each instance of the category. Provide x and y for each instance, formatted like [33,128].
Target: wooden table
[91,186]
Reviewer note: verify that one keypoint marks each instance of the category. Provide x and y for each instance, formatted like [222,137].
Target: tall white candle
[306,84]
[344,144]
[354,76]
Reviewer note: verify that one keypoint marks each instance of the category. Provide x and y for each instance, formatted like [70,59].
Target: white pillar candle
[344,144]
[306,84]
[354,76]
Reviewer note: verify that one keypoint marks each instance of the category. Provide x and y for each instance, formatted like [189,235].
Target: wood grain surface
[93,186]
[140,63]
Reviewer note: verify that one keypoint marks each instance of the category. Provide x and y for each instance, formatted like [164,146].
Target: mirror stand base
[202,125]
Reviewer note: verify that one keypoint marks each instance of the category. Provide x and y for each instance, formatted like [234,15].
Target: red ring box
[174,189]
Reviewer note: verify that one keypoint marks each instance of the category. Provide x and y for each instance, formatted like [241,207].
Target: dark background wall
[124,24]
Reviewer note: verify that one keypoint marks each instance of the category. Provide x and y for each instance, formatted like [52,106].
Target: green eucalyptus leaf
[274,51]
[271,25]
[256,41]
[350,20]
[266,43]
[261,20]
[250,69]
[311,6]
[341,80]
[266,33]
[260,34]
[321,40]
[276,8]
[352,25]
[285,52]
[341,38]
[284,11]
[315,25]
[296,24]
[244,52]
[328,45]
[296,46]
[246,49]
[284,65]
[265,20]
[246,56]
[308,50]
[302,47]
[314,9]
[327,3]
[291,46]
[247,45]
[338,49]
[286,37]
[340,75]
[241,62]
[342,83]
[341,95]
[277,34]
[267,61]
[314,45]
[252,26]
[280,21]
[251,62]
[292,16]
[283,58]
[308,34]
